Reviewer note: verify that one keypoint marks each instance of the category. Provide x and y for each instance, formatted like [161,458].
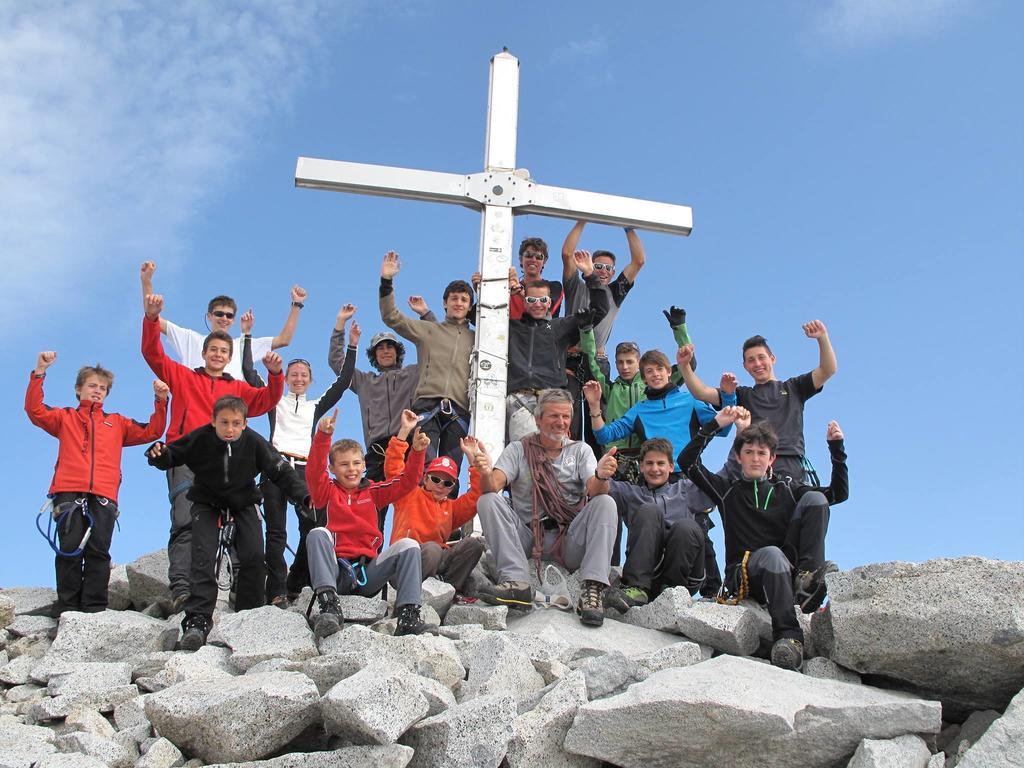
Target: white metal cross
[499,192]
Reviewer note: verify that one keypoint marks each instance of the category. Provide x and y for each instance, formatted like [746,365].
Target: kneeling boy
[774,527]
[343,556]
[225,456]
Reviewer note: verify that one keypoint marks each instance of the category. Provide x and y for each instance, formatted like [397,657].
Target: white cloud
[863,22]
[587,48]
[119,117]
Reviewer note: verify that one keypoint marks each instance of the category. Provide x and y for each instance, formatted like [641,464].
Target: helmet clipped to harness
[380,338]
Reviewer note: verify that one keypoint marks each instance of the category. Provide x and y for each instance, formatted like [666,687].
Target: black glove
[585,317]
[676,316]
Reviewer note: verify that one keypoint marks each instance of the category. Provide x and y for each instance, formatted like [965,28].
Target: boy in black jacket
[773,526]
[225,456]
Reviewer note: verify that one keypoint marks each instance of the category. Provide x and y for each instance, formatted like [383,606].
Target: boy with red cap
[87,477]
[429,516]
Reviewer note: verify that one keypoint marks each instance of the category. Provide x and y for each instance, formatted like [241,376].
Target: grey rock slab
[438,595]
[89,721]
[131,713]
[439,697]
[362,609]
[425,655]
[374,706]
[56,707]
[731,711]
[147,579]
[69,760]
[326,671]
[733,629]
[263,633]
[22,745]
[490,617]
[681,654]
[476,733]
[90,677]
[25,692]
[119,596]
[16,671]
[498,666]
[563,630]
[937,760]
[662,613]
[1002,743]
[604,675]
[8,608]
[161,754]
[902,752]
[390,756]
[203,716]
[948,628]
[969,732]
[539,733]
[827,669]
[32,601]
[208,663]
[28,626]
[109,751]
[34,646]
[106,636]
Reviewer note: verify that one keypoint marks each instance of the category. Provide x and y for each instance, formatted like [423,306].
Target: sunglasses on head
[605,267]
[222,313]
[538,299]
[445,481]
[298,360]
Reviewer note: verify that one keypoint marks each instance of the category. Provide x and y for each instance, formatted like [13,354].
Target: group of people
[587,456]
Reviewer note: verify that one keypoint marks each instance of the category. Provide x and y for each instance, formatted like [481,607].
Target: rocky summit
[910,665]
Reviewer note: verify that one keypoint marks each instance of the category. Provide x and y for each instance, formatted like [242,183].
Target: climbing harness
[743,588]
[54,523]
[226,526]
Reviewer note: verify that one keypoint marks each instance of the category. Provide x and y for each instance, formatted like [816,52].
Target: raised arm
[316,463]
[38,412]
[153,349]
[838,489]
[491,480]
[138,434]
[336,349]
[588,344]
[637,257]
[572,241]
[700,390]
[827,364]
[389,313]
[334,392]
[390,492]
[284,338]
[252,378]
[146,278]
[263,399]
[689,458]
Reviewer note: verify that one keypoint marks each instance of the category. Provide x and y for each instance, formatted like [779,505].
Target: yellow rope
[744,588]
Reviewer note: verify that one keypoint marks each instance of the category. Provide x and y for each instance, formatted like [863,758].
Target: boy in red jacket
[343,556]
[195,391]
[87,477]
[428,515]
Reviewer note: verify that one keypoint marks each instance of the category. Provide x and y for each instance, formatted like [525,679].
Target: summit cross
[499,192]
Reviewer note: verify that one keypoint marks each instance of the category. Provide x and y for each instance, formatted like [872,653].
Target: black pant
[375,452]
[298,574]
[445,430]
[248,545]
[275,515]
[660,555]
[82,580]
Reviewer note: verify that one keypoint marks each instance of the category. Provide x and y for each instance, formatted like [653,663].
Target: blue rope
[53,526]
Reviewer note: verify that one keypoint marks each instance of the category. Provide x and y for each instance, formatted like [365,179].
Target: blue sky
[857,162]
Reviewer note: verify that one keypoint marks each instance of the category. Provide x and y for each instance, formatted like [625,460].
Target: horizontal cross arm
[618,211]
[383,180]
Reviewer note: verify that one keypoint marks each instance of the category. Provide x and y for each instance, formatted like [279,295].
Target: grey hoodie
[679,498]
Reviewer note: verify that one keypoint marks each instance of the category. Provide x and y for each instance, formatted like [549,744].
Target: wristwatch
[298,304]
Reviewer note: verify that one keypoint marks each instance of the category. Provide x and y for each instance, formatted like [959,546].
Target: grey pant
[179,545]
[586,546]
[399,564]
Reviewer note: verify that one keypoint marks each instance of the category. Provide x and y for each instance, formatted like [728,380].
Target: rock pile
[909,665]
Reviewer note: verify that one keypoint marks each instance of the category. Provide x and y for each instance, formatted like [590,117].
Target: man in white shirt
[187,345]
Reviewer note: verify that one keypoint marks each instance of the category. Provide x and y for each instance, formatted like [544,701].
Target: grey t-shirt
[781,404]
[578,297]
[573,466]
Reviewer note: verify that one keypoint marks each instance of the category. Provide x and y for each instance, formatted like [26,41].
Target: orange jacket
[417,515]
[89,456]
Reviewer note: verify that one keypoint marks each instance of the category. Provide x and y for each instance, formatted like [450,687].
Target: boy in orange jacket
[429,516]
[343,556]
[87,477]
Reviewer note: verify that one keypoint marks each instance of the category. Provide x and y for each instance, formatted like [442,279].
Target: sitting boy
[87,477]
[667,520]
[429,516]
[774,526]
[225,457]
[343,556]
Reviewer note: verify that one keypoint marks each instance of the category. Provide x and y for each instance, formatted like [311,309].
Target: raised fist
[676,316]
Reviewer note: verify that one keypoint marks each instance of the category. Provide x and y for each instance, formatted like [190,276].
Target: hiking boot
[410,622]
[787,653]
[279,601]
[518,594]
[809,587]
[623,598]
[330,619]
[194,629]
[591,608]
[178,603]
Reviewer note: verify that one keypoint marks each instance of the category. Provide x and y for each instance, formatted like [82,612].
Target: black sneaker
[330,619]
[590,607]
[787,653]
[623,598]
[517,594]
[809,587]
[410,622]
[194,629]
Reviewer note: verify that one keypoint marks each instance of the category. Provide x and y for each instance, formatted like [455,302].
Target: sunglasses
[222,313]
[531,255]
[538,299]
[445,481]
[605,267]
[296,361]
[626,346]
